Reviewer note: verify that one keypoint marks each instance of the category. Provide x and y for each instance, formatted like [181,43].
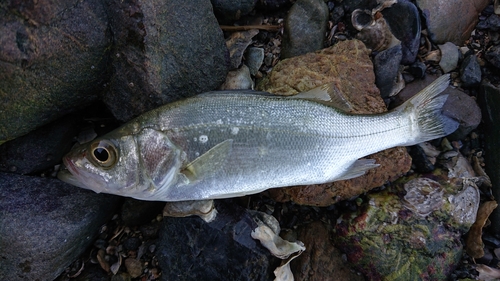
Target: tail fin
[425,111]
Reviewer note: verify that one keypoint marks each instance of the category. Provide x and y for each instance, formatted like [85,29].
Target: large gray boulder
[45,224]
[53,58]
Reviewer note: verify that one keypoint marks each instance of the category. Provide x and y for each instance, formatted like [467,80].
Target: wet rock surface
[155,65]
[49,65]
[46,225]
[39,150]
[305,28]
[225,243]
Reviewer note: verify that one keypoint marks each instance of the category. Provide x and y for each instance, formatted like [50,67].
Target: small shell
[373,30]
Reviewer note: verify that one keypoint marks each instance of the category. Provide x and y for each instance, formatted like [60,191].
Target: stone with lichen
[410,229]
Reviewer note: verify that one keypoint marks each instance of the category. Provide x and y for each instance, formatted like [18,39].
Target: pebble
[493,56]
[305,28]
[492,23]
[449,57]
[386,67]
[134,267]
[254,59]
[238,79]
[237,43]
[417,69]
[470,72]
[132,243]
[228,10]
[464,109]
[404,20]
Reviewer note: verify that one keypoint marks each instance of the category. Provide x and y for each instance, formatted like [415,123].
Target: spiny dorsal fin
[328,94]
[209,162]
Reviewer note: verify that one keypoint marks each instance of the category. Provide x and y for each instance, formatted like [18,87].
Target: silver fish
[233,143]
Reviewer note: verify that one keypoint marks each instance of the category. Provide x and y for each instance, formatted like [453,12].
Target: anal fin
[358,168]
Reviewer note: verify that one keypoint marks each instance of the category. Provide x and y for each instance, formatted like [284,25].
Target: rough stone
[439,12]
[255,57]
[491,23]
[48,64]
[470,71]
[238,79]
[237,43]
[410,230]
[386,65]
[321,261]
[305,27]
[493,56]
[46,225]
[404,20]
[160,56]
[39,150]
[449,57]
[222,249]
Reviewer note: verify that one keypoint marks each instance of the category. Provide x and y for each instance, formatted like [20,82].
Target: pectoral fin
[209,162]
[358,168]
[328,94]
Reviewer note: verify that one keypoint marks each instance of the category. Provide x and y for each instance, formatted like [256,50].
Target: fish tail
[425,109]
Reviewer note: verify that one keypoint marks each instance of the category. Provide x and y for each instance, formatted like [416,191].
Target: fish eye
[103,153]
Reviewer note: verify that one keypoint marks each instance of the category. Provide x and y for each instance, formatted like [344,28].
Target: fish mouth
[68,174]
[70,166]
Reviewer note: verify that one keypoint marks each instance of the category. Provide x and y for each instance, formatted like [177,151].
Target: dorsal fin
[328,94]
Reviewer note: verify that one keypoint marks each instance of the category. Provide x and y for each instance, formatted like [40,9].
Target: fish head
[140,165]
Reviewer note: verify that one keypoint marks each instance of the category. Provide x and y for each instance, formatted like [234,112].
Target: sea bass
[234,143]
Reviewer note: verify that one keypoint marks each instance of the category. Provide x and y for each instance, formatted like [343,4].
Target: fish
[224,144]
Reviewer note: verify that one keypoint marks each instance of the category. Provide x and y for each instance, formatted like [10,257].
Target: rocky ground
[427,213]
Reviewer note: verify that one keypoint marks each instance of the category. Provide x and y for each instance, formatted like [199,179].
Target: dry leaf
[102,261]
[474,243]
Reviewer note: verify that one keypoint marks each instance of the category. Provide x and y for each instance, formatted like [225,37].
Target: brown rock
[347,65]
[321,261]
